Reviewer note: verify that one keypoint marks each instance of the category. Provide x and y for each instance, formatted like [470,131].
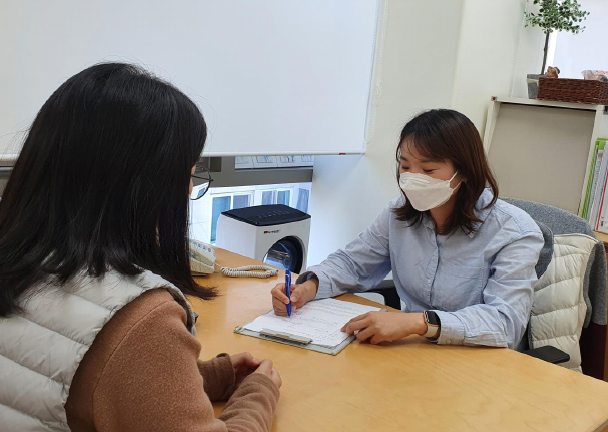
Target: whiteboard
[270,76]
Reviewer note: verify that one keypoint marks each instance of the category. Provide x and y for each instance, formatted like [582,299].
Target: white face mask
[424,192]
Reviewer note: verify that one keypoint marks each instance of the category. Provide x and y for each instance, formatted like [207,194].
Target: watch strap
[305,277]
[432,329]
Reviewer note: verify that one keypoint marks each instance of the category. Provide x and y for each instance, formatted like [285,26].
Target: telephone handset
[202,258]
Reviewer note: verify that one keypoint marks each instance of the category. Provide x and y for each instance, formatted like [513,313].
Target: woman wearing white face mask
[462,260]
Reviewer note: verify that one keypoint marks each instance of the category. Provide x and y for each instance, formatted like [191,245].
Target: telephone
[202,258]
[202,261]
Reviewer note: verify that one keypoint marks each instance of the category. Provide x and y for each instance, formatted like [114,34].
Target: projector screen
[270,76]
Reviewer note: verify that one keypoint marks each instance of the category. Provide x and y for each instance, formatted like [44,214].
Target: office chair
[387,290]
[592,342]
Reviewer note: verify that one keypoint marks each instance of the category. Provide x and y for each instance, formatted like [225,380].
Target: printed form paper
[319,320]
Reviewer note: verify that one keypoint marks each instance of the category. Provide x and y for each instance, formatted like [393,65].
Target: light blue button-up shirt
[480,284]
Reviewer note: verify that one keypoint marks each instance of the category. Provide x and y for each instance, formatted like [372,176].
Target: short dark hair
[444,134]
[102,184]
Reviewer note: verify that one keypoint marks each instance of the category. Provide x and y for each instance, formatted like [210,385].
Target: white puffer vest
[558,310]
[41,349]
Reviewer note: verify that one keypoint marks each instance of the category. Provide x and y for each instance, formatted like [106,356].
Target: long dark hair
[440,135]
[102,184]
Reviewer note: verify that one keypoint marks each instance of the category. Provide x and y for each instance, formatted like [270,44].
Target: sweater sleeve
[218,377]
[152,382]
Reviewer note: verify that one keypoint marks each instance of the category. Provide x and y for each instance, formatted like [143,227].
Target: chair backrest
[559,308]
[593,339]
[558,220]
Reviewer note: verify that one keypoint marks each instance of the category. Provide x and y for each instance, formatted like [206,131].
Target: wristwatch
[433,324]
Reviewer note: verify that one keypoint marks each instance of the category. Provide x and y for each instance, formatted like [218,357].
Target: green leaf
[557,15]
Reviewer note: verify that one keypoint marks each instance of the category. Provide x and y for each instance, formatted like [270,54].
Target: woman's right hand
[300,295]
[266,368]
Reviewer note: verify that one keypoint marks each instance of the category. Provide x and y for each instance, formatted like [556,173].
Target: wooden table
[410,385]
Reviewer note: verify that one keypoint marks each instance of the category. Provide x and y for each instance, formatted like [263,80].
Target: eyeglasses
[201,189]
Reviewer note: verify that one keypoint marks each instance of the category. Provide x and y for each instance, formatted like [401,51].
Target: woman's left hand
[244,365]
[386,326]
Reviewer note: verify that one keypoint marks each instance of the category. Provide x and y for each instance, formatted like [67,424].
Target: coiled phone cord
[250,271]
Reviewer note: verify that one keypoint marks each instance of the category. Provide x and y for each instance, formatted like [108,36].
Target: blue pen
[288,290]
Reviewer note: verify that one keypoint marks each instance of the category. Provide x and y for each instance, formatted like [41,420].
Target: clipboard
[294,340]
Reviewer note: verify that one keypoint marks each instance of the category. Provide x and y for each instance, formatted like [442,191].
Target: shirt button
[428,281]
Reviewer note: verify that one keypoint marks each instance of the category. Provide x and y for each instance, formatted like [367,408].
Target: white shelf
[543,130]
[554,104]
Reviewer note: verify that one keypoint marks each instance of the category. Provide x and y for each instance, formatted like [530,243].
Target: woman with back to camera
[462,259]
[95,330]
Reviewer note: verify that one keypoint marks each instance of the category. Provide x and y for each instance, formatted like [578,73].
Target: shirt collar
[482,210]
[428,221]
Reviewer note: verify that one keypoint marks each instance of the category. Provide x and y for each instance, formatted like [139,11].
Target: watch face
[432,318]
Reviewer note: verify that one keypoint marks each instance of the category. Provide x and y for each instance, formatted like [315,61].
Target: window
[276,196]
[587,50]
[269,197]
[221,203]
[240,201]
[283,197]
[303,197]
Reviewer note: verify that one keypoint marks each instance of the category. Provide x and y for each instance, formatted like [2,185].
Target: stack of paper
[320,321]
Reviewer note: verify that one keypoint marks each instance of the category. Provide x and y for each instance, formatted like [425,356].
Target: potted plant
[559,15]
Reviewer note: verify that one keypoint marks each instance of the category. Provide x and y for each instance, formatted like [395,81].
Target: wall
[495,53]
[439,53]
[587,50]
[414,69]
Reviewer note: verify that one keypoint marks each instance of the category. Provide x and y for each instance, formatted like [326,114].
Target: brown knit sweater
[142,373]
